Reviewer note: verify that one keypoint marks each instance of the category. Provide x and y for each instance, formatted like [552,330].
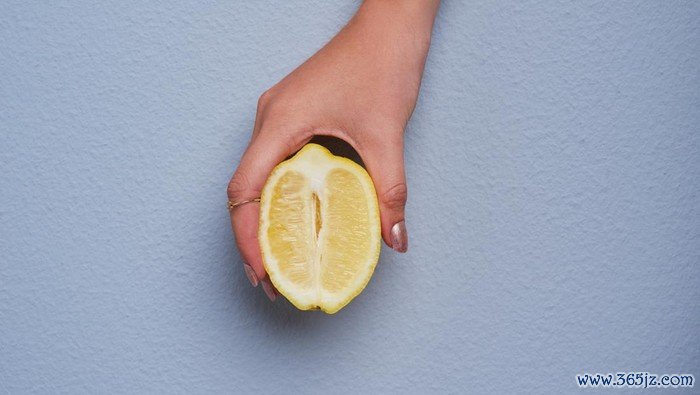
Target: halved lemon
[319,229]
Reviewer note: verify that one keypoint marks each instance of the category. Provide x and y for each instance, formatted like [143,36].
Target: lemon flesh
[319,229]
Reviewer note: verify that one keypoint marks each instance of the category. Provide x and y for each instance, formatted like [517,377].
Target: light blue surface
[554,177]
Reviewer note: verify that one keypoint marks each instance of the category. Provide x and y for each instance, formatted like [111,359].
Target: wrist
[408,22]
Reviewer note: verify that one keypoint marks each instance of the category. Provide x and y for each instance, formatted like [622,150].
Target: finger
[270,290]
[384,162]
[265,151]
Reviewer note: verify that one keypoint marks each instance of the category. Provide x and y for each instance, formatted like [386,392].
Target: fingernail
[399,237]
[269,290]
[250,273]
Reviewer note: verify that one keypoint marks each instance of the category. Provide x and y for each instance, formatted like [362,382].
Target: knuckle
[264,99]
[273,108]
[238,186]
[287,132]
[395,197]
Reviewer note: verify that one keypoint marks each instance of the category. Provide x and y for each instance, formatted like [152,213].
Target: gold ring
[232,205]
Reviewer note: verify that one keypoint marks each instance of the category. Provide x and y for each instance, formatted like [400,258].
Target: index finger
[264,153]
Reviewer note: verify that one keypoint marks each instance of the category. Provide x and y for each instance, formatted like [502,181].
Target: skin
[361,87]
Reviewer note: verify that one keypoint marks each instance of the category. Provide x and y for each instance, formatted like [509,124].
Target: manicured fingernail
[250,273]
[399,237]
[269,290]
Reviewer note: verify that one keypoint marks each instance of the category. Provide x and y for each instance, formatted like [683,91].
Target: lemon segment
[319,229]
[289,210]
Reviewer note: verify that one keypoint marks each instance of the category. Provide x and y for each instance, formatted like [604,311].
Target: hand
[362,88]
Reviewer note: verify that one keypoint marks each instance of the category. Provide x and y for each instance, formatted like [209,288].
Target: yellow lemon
[319,229]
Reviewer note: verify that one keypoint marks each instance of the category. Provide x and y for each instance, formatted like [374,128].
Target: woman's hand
[362,88]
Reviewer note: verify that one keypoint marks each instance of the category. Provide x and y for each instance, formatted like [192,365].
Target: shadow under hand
[338,147]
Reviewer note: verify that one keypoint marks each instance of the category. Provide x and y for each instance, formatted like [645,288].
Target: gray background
[554,207]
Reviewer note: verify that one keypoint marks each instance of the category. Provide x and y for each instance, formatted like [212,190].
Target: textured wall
[553,165]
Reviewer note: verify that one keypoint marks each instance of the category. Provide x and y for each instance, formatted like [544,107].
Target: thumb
[385,165]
